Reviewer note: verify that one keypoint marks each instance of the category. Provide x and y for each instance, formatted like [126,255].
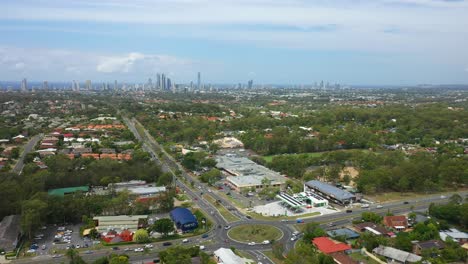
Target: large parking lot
[51,238]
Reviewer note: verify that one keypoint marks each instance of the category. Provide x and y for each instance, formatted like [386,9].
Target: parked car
[139,250]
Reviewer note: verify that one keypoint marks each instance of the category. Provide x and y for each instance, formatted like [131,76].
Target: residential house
[394,255]
[397,222]
[418,247]
[328,246]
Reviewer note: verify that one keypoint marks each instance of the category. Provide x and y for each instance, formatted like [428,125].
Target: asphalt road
[27,148]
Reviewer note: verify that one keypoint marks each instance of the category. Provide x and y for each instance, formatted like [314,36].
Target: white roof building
[226,256]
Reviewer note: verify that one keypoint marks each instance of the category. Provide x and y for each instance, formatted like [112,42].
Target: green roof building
[69,190]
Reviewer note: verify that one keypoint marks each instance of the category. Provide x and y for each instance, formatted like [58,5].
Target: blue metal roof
[182,216]
[330,190]
[348,233]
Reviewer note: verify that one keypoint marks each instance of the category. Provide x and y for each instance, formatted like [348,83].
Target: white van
[365,206]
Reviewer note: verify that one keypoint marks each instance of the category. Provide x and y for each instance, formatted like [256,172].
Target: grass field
[222,210]
[398,196]
[255,233]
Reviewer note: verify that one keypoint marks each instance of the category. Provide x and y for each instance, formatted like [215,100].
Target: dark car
[349,211]
[205,236]
[167,244]
[248,217]
[115,248]
[405,202]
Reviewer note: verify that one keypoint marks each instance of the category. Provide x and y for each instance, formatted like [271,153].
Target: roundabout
[254,233]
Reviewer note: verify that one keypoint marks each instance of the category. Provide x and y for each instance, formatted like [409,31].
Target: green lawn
[359,257]
[255,233]
[222,210]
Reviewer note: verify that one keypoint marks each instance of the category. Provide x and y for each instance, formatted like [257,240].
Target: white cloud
[58,64]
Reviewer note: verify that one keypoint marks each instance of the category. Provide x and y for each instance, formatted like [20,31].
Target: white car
[266,242]
[139,250]
[379,206]
[227,227]
[294,238]
[185,241]
[202,247]
[149,246]
[251,244]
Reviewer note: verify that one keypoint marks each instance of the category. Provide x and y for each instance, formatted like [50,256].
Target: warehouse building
[246,174]
[329,192]
[184,219]
[120,222]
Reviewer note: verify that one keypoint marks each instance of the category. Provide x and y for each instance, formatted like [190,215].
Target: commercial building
[69,190]
[329,192]
[226,256]
[184,219]
[120,222]
[246,174]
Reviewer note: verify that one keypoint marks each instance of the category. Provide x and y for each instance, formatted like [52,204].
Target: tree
[371,217]
[74,257]
[163,226]
[278,249]
[456,198]
[119,259]
[165,179]
[15,152]
[211,176]
[141,236]
[311,231]
[32,216]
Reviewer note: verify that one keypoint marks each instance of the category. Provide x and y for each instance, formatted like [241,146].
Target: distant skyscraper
[45,86]
[158,81]
[24,85]
[199,81]
[76,86]
[163,82]
[115,85]
[150,83]
[250,84]
[88,85]
[169,84]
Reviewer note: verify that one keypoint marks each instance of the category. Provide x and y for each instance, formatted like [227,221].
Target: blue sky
[271,41]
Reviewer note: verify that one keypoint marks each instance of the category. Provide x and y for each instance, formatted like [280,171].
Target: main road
[27,148]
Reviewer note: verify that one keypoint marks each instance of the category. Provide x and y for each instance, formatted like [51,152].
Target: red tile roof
[395,220]
[328,246]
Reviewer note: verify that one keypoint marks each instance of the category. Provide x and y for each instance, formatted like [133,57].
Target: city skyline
[384,42]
